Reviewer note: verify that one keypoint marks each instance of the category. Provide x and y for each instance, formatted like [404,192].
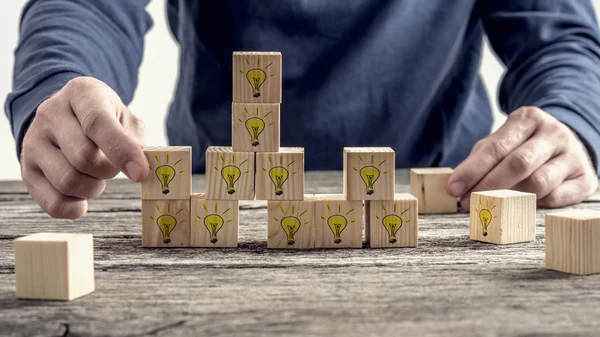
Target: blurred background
[158,74]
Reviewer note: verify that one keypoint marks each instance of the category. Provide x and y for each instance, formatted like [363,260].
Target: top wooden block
[170,175]
[428,185]
[257,77]
[369,173]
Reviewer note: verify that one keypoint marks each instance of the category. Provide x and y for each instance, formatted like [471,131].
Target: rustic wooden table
[447,286]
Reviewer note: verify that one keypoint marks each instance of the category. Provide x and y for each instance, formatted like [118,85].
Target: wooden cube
[393,223]
[290,224]
[428,185]
[170,175]
[338,222]
[503,216]
[573,241]
[257,77]
[255,127]
[166,223]
[54,266]
[214,222]
[369,173]
[229,174]
[280,175]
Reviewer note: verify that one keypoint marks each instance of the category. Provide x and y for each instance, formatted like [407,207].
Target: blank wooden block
[54,266]
[170,173]
[280,175]
[573,241]
[369,173]
[229,174]
[393,223]
[503,216]
[214,222]
[166,223]
[255,127]
[428,185]
[290,224]
[257,77]
[338,222]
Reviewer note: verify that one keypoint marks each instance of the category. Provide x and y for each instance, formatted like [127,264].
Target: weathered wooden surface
[447,286]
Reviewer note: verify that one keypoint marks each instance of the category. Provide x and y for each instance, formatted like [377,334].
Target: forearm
[60,40]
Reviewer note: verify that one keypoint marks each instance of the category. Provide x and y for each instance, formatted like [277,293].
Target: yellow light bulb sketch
[231,172]
[214,221]
[392,222]
[291,223]
[165,173]
[255,124]
[256,76]
[279,174]
[337,222]
[369,173]
[485,215]
[167,222]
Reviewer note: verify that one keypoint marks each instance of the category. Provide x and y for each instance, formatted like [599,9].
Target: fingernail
[133,171]
[457,188]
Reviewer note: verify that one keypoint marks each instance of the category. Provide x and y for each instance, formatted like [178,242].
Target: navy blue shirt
[399,73]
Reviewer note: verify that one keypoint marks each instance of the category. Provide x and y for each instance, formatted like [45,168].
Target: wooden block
[338,222]
[573,241]
[255,127]
[393,223]
[214,222]
[428,185]
[280,175]
[54,266]
[290,223]
[369,173]
[503,216]
[257,77]
[166,223]
[229,175]
[170,173]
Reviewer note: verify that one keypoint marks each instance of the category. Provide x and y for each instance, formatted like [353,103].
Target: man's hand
[532,152]
[79,137]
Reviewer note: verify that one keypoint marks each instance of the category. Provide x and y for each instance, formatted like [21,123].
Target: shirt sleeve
[63,39]
[551,49]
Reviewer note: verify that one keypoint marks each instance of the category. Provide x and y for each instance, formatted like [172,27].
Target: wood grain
[257,77]
[503,216]
[165,223]
[573,241]
[428,185]
[54,266]
[368,173]
[450,285]
[280,175]
[170,175]
[290,224]
[255,127]
[229,174]
[338,222]
[393,223]
[225,230]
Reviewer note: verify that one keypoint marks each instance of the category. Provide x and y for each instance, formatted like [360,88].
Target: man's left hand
[532,152]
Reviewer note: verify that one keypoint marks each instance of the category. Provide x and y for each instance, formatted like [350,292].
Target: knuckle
[92,123]
[69,182]
[552,200]
[47,109]
[521,161]
[85,157]
[78,84]
[539,182]
[496,148]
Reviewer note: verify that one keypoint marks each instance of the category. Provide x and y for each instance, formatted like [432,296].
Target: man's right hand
[79,137]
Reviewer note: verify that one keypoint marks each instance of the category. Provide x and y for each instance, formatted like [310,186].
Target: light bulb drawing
[392,222]
[231,172]
[337,222]
[485,214]
[369,172]
[255,124]
[291,223]
[166,172]
[213,221]
[279,174]
[256,76]
[167,221]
